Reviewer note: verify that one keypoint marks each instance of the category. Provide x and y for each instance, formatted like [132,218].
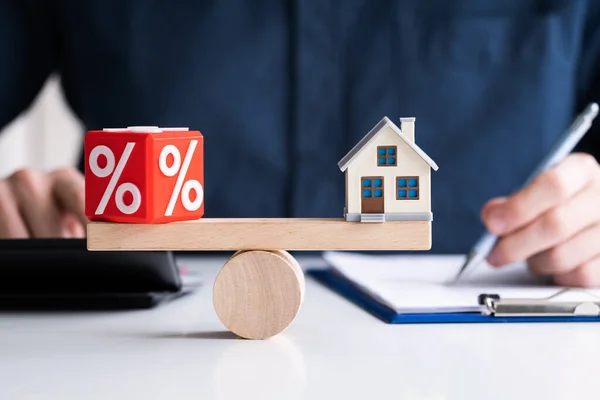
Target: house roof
[345,162]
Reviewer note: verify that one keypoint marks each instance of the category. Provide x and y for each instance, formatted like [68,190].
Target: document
[419,284]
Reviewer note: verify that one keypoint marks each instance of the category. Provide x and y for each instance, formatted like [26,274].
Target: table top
[333,349]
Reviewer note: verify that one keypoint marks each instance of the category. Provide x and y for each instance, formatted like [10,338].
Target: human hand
[36,204]
[553,223]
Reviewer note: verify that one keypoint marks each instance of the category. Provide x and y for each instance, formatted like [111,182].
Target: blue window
[372,186]
[407,188]
[386,156]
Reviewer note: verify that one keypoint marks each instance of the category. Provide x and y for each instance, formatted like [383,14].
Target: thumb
[490,206]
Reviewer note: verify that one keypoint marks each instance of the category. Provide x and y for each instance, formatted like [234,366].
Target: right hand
[36,204]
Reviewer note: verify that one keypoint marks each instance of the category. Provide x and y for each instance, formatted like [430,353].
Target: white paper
[424,283]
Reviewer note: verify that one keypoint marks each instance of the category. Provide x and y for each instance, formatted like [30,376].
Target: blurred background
[47,136]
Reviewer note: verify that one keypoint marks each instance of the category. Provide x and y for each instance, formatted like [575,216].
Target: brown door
[371,193]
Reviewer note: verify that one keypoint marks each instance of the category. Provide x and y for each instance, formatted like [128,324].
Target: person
[281,90]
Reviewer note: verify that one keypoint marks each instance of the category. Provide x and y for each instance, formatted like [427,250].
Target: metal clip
[496,306]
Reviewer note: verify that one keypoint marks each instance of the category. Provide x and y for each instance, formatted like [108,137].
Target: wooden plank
[265,234]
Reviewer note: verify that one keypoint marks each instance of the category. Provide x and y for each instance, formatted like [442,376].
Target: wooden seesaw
[260,289]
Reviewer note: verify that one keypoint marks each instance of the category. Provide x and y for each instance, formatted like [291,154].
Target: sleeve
[27,54]
[588,89]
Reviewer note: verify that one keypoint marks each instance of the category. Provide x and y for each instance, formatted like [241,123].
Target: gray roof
[345,162]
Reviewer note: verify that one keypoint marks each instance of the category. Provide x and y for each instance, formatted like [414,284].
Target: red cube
[144,174]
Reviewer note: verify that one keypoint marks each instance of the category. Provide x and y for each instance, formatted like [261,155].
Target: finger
[72,227]
[566,256]
[547,190]
[491,205]
[32,194]
[586,275]
[68,187]
[551,228]
[11,223]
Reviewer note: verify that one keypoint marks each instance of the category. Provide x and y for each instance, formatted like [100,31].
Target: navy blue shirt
[282,90]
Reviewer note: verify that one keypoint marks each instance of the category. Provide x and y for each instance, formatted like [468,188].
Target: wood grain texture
[260,234]
[257,294]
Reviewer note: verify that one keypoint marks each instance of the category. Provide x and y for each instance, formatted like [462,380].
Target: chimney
[407,126]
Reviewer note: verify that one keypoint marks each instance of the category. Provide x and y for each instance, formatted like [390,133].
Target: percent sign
[110,169]
[127,187]
[182,187]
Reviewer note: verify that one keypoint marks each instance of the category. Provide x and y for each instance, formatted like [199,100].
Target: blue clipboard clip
[559,304]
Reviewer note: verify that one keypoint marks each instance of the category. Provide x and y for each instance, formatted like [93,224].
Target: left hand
[553,223]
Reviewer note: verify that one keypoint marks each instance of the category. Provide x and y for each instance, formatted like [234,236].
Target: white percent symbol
[181,188]
[115,172]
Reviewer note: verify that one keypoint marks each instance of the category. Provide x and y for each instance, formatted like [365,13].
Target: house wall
[409,164]
[346,198]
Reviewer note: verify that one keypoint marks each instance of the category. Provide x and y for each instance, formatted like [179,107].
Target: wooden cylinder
[258,293]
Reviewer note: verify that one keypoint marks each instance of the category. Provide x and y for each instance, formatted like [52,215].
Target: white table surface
[333,350]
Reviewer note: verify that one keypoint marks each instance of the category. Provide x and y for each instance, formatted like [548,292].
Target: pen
[563,146]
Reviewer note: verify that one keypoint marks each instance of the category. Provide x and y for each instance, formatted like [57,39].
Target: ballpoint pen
[563,146]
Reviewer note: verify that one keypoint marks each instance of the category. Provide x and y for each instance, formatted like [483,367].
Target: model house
[388,177]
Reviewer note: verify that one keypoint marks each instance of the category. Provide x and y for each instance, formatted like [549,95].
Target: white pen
[563,146]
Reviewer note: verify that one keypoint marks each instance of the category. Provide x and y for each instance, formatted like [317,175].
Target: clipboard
[559,307]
